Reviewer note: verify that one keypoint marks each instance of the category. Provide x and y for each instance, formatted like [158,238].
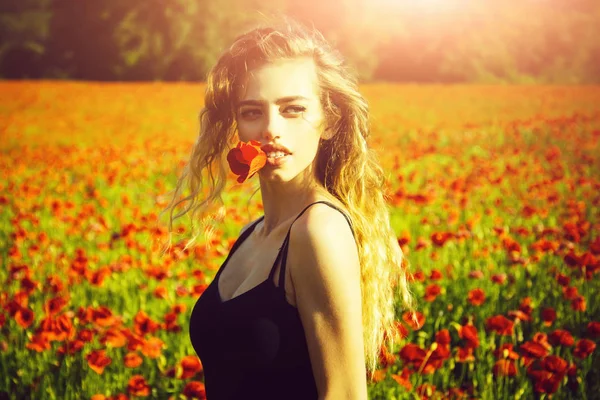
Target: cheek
[247,130]
[309,145]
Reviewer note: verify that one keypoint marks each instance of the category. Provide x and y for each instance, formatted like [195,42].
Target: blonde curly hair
[345,165]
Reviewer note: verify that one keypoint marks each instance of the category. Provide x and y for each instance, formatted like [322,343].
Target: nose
[273,125]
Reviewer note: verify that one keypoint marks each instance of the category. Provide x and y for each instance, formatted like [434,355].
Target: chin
[277,175]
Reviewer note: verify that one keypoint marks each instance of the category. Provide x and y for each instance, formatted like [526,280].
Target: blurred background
[420,41]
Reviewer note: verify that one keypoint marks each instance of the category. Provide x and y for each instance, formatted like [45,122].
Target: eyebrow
[282,100]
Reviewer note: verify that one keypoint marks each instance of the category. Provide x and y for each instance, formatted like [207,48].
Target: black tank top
[253,345]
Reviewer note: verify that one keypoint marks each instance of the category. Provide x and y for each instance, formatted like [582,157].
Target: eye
[294,110]
[251,113]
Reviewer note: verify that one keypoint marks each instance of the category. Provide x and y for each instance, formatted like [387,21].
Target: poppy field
[494,194]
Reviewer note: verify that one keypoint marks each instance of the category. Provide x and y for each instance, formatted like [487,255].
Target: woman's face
[279,104]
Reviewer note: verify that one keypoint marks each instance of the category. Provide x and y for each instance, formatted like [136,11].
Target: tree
[23,33]
[81,42]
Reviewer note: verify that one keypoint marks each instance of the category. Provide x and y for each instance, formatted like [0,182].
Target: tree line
[492,41]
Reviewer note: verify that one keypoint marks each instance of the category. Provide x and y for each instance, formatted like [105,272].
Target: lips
[273,148]
[277,161]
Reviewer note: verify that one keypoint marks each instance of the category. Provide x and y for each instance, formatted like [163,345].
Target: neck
[283,201]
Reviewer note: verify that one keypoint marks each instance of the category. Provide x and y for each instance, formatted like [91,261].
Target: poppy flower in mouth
[246,159]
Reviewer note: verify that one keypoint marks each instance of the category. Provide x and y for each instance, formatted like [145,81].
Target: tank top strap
[283,250]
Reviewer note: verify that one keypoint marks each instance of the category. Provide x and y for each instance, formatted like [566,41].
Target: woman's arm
[325,272]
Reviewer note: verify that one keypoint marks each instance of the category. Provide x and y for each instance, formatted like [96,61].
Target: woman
[303,303]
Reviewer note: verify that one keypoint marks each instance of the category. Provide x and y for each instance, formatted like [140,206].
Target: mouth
[271,149]
[277,159]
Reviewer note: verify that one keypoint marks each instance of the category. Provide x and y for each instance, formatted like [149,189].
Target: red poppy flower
[440,238]
[137,386]
[561,337]
[142,324]
[246,159]
[435,275]
[543,381]
[584,348]
[542,338]
[476,274]
[85,335]
[443,337]
[563,280]
[499,278]
[160,292]
[85,315]
[546,246]
[195,389]
[510,245]
[518,315]
[438,354]
[377,376]
[152,347]
[55,305]
[526,306]
[587,259]
[547,373]
[457,393]
[24,317]
[179,308]
[403,379]
[39,342]
[500,324]
[504,367]
[412,354]
[465,354]
[102,316]
[132,360]
[532,350]
[468,333]
[62,328]
[97,360]
[71,347]
[404,238]
[595,246]
[427,362]
[570,292]
[506,351]
[548,315]
[28,285]
[415,320]
[114,337]
[418,276]
[170,323]
[385,357]
[431,292]
[427,391]
[190,367]
[96,278]
[555,364]
[402,331]
[476,297]
[135,342]
[593,329]
[578,303]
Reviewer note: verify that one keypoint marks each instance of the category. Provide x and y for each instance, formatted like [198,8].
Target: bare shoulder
[320,220]
[325,271]
[324,247]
